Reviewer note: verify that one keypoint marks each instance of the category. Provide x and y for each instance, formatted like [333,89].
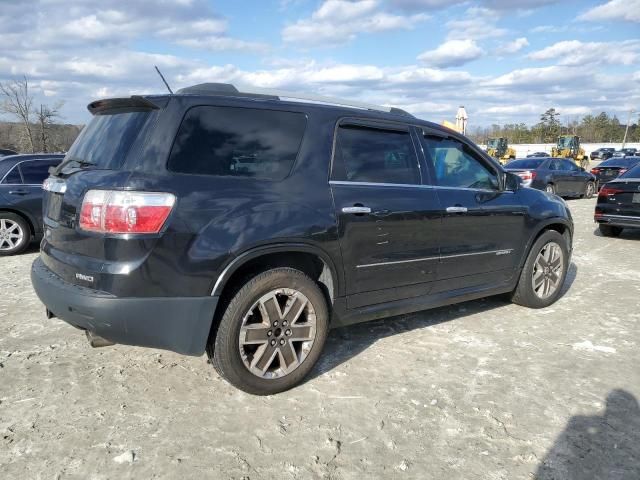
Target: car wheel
[15,234]
[543,275]
[550,188]
[609,230]
[271,333]
[589,190]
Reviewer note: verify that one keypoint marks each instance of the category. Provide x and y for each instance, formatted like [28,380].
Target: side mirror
[512,181]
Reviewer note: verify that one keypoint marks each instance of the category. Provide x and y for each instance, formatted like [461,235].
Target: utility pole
[626,130]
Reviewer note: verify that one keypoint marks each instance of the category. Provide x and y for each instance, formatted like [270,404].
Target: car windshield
[528,164]
[632,173]
[493,142]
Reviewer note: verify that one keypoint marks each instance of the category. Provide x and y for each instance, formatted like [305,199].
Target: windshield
[527,164]
[565,142]
[492,143]
[106,140]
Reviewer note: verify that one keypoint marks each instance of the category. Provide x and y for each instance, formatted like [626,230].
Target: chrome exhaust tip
[96,341]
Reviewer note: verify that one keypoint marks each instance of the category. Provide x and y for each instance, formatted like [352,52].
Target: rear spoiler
[121,105]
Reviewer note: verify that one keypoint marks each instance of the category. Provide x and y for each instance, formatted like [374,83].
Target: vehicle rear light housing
[595,170]
[121,212]
[527,176]
[607,191]
[622,170]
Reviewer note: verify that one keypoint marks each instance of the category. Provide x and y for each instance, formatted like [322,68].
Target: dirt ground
[480,390]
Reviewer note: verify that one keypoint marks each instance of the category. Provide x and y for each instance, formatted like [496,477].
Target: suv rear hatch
[99,159]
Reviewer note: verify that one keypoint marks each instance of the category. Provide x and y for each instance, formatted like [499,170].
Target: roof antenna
[162,77]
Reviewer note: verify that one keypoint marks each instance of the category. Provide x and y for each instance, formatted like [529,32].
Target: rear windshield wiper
[81,163]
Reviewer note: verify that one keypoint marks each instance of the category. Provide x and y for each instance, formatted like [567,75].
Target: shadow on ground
[346,343]
[599,446]
[630,233]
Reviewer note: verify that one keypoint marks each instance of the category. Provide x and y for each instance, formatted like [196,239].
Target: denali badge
[86,278]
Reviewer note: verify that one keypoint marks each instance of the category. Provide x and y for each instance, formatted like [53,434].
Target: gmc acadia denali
[247,224]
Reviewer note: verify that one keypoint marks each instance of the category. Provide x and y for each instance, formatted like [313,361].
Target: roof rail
[270,94]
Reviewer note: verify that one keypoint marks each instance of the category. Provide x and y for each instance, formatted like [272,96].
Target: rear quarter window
[237,142]
[13,177]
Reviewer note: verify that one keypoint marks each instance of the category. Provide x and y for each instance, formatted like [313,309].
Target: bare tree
[18,102]
[46,117]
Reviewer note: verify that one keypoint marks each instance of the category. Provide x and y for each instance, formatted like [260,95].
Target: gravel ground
[480,390]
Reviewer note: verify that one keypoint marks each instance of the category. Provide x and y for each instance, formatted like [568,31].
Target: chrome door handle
[356,210]
[456,209]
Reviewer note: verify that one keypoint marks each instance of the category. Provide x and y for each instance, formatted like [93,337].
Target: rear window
[237,142]
[632,173]
[107,139]
[528,164]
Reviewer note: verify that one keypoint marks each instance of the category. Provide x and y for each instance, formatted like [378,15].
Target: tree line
[601,128]
[34,128]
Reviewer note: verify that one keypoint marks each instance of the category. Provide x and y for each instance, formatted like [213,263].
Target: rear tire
[609,230]
[544,272]
[15,234]
[589,190]
[550,188]
[271,333]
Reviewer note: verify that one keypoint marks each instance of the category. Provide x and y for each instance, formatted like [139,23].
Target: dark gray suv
[247,224]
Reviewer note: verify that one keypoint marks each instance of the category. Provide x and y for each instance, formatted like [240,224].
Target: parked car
[618,204]
[21,178]
[554,175]
[538,154]
[612,168]
[602,153]
[630,151]
[247,225]
[5,152]
[619,154]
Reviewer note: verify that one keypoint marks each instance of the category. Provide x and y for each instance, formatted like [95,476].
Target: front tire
[609,230]
[15,234]
[544,272]
[271,333]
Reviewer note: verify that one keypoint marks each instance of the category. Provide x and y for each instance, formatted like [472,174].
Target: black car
[21,178]
[248,225]
[4,152]
[618,204]
[538,154]
[612,168]
[555,175]
[602,153]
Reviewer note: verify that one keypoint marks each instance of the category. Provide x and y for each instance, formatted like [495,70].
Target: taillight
[595,171]
[607,191]
[114,211]
[527,176]
[622,170]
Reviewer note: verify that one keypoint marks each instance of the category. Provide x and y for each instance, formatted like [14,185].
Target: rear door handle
[456,209]
[18,192]
[356,209]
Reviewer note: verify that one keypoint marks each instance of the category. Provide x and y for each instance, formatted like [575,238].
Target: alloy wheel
[11,234]
[590,190]
[277,333]
[547,270]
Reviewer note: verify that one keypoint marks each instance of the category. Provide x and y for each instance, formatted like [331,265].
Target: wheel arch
[560,225]
[23,215]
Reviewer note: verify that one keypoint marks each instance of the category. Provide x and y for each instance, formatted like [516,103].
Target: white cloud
[575,52]
[452,53]
[614,10]
[339,21]
[513,47]
[478,23]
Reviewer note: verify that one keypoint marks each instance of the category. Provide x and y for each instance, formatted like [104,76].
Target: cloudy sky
[505,60]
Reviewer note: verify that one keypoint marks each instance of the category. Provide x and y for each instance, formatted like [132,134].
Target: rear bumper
[179,324]
[619,220]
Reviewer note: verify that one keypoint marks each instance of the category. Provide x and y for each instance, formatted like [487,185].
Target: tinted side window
[378,156]
[554,165]
[456,165]
[13,177]
[35,172]
[239,142]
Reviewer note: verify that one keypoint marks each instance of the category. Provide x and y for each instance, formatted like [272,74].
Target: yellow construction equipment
[499,149]
[568,146]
